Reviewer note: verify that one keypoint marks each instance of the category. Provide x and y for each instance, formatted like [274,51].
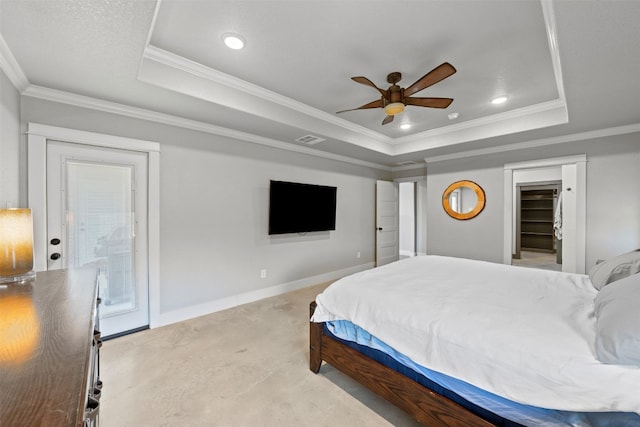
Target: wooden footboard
[429,408]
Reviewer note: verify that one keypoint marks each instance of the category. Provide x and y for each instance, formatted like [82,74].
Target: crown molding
[188,66]
[580,136]
[191,83]
[91,138]
[493,120]
[554,50]
[543,163]
[408,167]
[543,114]
[82,101]
[11,68]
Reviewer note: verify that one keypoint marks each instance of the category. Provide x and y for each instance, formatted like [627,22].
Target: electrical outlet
[263,273]
[358,254]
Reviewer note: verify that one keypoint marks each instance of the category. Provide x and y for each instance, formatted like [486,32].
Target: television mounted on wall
[301,208]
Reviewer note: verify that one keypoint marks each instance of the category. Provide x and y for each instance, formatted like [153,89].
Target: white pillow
[617,309]
[615,269]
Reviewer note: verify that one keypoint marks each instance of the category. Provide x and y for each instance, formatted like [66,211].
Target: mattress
[495,409]
[526,335]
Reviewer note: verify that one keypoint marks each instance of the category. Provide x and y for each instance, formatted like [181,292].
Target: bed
[458,342]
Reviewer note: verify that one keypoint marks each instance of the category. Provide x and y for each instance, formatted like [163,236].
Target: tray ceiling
[167,58]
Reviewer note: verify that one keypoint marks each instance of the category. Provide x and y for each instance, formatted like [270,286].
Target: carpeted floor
[246,366]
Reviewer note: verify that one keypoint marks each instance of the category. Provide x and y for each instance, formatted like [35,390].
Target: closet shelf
[536,218]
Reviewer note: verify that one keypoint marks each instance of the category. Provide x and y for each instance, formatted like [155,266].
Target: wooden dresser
[49,351]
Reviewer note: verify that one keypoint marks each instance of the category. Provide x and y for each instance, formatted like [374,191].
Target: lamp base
[18,278]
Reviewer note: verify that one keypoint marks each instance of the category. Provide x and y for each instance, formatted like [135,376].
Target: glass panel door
[99,232]
[97,219]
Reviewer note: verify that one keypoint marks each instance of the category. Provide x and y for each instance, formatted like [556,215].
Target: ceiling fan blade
[429,102]
[373,104]
[439,73]
[367,82]
[387,119]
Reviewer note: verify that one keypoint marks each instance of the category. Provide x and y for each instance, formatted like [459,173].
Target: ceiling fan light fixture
[405,126]
[394,108]
[234,41]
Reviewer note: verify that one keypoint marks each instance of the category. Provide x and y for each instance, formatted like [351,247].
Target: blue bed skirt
[392,363]
[495,409]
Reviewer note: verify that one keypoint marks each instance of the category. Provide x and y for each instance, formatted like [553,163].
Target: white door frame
[421,211]
[37,137]
[573,177]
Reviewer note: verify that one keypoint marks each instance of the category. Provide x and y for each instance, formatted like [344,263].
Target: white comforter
[524,334]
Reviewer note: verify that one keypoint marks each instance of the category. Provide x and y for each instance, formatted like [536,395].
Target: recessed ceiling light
[234,41]
[499,100]
[405,126]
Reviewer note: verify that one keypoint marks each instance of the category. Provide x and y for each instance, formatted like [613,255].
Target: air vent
[310,139]
[407,163]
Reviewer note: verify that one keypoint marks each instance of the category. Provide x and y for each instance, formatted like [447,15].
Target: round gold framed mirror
[463,200]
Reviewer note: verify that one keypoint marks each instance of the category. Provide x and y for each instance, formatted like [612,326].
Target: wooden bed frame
[426,406]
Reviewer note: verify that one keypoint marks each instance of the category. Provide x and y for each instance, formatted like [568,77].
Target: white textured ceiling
[566,66]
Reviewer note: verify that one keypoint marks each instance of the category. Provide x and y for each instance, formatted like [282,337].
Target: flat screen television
[301,208]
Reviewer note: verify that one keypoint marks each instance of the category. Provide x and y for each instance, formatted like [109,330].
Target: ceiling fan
[395,98]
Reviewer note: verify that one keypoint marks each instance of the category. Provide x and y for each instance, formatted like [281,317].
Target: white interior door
[387,220]
[97,217]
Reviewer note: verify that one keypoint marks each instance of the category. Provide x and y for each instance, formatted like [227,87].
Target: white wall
[613,205]
[10,147]
[613,200]
[214,211]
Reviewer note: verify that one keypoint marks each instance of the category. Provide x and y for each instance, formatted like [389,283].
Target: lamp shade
[16,245]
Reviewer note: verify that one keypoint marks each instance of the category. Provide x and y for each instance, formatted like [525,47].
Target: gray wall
[613,201]
[477,238]
[214,208]
[10,146]
[214,202]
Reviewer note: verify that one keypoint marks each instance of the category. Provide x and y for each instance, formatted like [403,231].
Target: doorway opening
[407,219]
[571,172]
[538,224]
[401,220]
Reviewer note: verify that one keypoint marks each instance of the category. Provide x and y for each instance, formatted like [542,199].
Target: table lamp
[16,246]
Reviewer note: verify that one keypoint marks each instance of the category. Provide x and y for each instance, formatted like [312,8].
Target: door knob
[54,256]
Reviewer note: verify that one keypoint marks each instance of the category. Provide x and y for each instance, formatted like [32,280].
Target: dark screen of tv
[301,208]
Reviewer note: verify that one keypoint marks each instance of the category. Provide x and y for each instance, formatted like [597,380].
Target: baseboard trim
[209,307]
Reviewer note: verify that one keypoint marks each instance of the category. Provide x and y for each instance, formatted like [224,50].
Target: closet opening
[538,209]
[571,171]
